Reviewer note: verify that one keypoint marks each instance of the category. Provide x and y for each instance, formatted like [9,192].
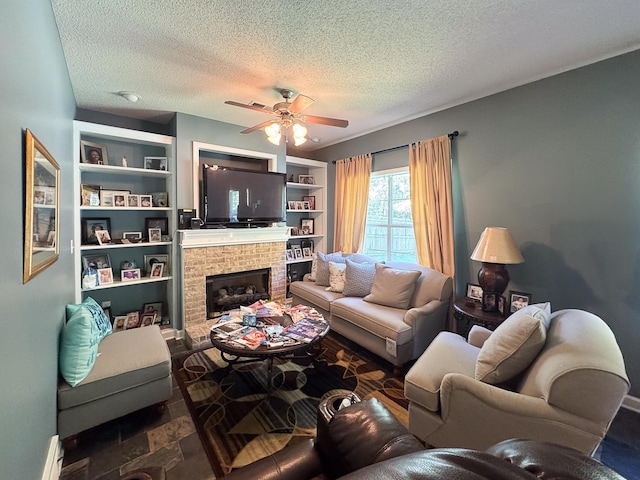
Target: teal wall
[35,93]
[558,163]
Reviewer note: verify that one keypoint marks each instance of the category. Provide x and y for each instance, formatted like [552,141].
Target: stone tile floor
[168,447]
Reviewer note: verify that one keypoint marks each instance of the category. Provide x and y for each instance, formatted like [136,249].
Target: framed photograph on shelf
[94,153]
[133,320]
[307,243]
[106,198]
[133,200]
[297,252]
[120,199]
[312,201]
[146,201]
[150,260]
[156,270]
[489,302]
[305,205]
[153,307]
[103,237]
[119,322]
[159,199]
[306,252]
[97,261]
[148,319]
[306,224]
[289,254]
[131,237]
[89,227]
[157,222]
[155,235]
[130,274]
[306,179]
[474,292]
[155,163]
[518,300]
[291,205]
[299,205]
[90,195]
[105,276]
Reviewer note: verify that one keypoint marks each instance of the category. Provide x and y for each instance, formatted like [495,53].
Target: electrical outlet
[106,304]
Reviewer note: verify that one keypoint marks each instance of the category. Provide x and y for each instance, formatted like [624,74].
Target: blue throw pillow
[79,341]
[92,309]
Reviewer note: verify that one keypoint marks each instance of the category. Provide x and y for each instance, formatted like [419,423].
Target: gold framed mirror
[42,211]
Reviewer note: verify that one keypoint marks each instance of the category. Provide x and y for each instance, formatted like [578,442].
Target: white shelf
[295,210]
[123,245]
[126,209]
[129,283]
[114,169]
[303,186]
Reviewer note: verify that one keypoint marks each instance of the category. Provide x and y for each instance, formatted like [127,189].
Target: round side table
[468,313]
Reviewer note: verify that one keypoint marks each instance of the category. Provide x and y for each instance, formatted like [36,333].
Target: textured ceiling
[375,63]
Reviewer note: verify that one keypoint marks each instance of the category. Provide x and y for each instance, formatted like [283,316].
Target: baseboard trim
[53,462]
[631,403]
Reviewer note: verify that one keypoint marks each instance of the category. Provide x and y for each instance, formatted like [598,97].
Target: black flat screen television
[238,197]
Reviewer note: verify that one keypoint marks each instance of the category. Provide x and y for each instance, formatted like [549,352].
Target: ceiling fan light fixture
[273,133]
[299,134]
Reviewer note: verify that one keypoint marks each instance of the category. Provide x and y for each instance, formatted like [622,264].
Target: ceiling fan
[288,115]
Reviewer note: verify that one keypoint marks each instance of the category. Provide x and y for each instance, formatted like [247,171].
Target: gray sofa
[132,371]
[396,334]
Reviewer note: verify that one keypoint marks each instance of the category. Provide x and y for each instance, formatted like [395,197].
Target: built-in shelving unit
[124,296]
[299,213]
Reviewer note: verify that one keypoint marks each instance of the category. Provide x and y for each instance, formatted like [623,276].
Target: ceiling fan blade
[262,109]
[334,122]
[259,126]
[300,103]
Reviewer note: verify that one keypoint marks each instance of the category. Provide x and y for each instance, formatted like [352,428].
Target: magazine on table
[304,330]
[227,328]
[252,339]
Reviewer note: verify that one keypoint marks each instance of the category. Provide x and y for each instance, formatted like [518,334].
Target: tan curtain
[351,199]
[432,203]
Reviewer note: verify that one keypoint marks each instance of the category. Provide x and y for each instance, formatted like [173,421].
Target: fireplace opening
[233,290]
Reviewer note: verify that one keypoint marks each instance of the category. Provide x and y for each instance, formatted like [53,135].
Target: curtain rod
[451,136]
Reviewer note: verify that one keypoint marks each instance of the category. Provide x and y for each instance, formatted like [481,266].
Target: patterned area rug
[239,422]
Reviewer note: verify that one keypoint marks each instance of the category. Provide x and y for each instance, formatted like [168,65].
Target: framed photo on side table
[518,300]
[489,302]
[474,292]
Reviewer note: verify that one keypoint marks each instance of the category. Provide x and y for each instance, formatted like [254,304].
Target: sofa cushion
[431,285]
[358,278]
[514,344]
[323,259]
[336,277]
[392,287]
[314,268]
[90,308]
[313,294]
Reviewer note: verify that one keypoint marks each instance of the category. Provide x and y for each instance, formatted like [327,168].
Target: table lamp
[495,249]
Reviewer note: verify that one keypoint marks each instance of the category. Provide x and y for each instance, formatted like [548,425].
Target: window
[389,229]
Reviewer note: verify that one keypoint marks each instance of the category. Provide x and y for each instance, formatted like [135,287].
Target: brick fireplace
[206,253]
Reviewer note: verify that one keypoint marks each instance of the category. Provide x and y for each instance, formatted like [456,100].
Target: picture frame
[306,224]
[41,214]
[501,305]
[153,307]
[94,153]
[133,320]
[97,261]
[307,243]
[129,274]
[474,292]
[311,199]
[157,222]
[299,205]
[289,254]
[155,235]
[518,300]
[133,200]
[297,252]
[113,198]
[155,163]
[306,252]
[489,302]
[148,319]
[150,259]
[90,195]
[306,179]
[119,323]
[89,227]
[291,205]
[131,237]
[105,276]
[103,237]
[106,198]
[160,199]
[146,201]
[305,205]
[156,270]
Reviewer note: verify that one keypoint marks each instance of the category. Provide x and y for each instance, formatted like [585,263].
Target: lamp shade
[497,246]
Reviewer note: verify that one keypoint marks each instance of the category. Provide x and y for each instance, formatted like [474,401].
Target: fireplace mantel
[232,236]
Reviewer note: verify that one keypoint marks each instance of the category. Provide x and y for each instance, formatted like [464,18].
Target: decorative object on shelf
[307,243]
[157,222]
[130,274]
[291,204]
[306,224]
[148,319]
[124,161]
[518,300]
[311,199]
[150,260]
[94,153]
[155,235]
[131,237]
[289,253]
[153,307]
[128,264]
[159,199]
[297,252]
[90,195]
[105,276]
[146,201]
[495,249]
[156,270]
[89,277]
[155,163]
[133,200]
[41,216]
[119,322]
[474,292]
[89,227]
[306,252]
[97,261]
[306,179]
[103,237]
[133,320]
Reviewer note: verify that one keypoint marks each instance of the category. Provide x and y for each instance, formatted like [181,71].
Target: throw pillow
[336,277]
[358,278]
[93,310]
[78,347]
[322,271]
[392,287]
[314,268]
[514,344]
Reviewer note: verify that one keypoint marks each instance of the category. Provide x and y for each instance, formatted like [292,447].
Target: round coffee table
[235,354]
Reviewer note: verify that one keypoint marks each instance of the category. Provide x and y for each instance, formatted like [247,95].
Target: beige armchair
[568,394]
